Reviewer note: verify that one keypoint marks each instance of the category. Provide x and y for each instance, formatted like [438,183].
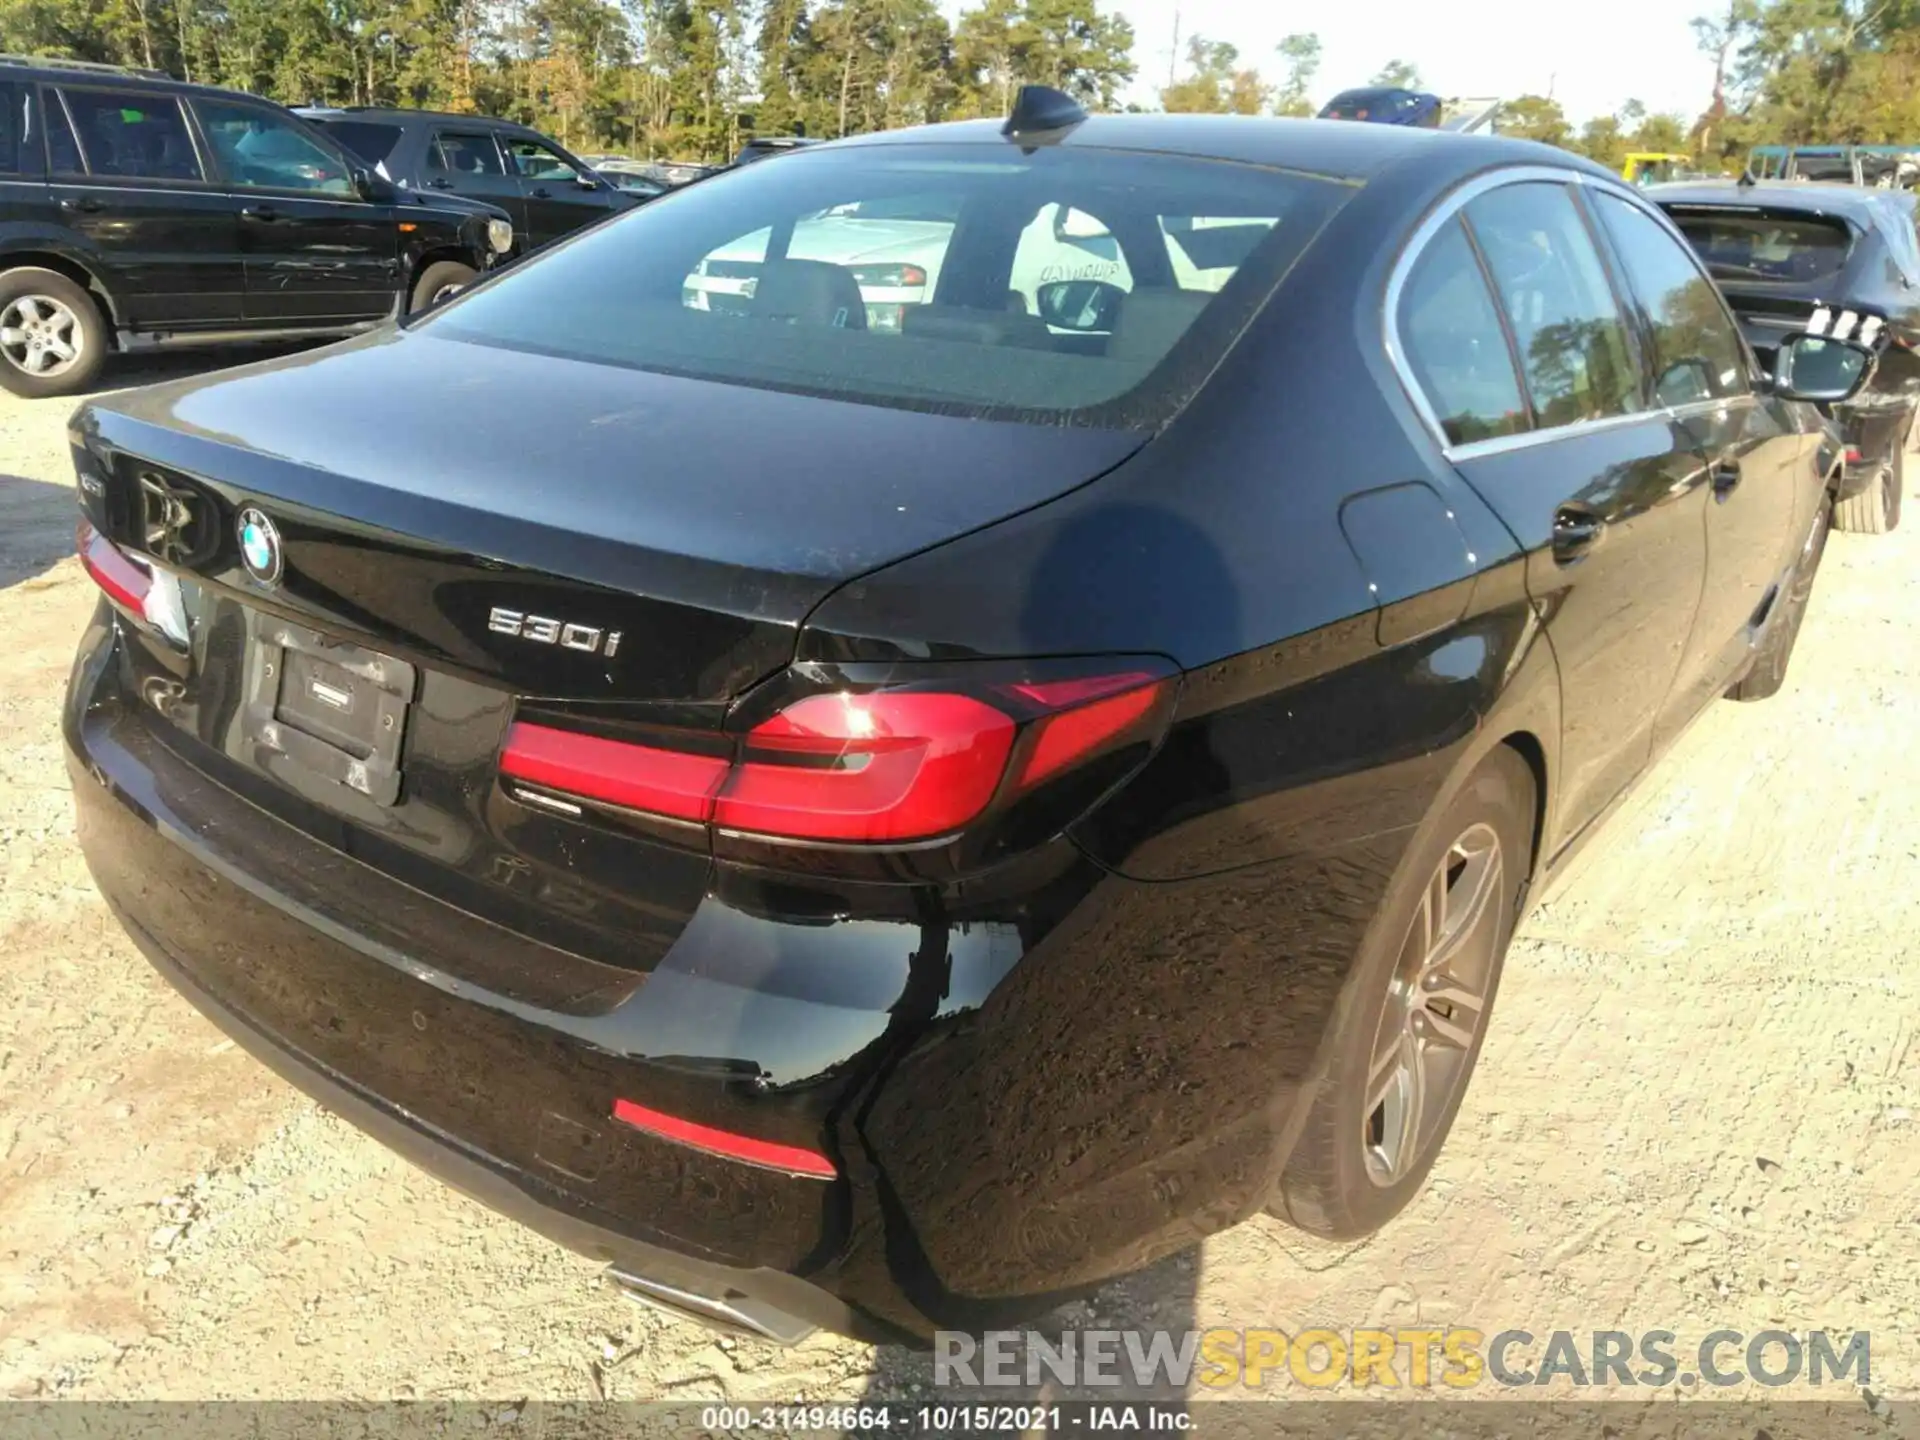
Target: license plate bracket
[331,710]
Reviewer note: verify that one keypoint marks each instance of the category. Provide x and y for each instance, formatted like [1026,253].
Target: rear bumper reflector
[788,1159]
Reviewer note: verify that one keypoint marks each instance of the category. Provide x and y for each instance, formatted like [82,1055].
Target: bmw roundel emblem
[259,545]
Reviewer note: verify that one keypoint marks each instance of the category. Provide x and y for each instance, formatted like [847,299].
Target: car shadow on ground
[151,367]
[36,527]
[1159,1300]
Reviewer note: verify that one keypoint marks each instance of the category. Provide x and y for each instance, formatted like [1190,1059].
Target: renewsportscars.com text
[1454,1358]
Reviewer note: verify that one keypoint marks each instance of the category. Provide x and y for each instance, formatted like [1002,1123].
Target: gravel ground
[1695,1110]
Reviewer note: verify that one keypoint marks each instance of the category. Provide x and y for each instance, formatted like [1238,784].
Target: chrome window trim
[1437,219]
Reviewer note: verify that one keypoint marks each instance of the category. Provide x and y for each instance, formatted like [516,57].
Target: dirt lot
[1696,1110]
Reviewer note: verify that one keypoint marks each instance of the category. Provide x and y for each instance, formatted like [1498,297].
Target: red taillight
[125,583]
[1065,739]
[874,767]
[1853,455]
[868,768]
[640,777]
[767,1154]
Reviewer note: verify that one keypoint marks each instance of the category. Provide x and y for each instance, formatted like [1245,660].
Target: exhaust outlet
[733,1314]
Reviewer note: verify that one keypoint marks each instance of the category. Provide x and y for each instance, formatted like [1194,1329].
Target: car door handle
[440,182]
[1575,532]
[259,212]
[542,193]
[1725,474]
[86,205]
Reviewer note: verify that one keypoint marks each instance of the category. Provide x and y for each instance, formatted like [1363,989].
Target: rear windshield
[371,142]
[1755,246]
[1064,284]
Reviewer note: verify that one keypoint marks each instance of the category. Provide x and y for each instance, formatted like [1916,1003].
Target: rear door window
[131,135]
[1554,293]
[1755,245]
[1697,354]
[1450,334]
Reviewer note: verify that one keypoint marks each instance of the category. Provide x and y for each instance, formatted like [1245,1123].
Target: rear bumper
[782,1307]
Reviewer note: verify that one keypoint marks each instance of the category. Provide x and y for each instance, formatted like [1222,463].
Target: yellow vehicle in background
[1650,167]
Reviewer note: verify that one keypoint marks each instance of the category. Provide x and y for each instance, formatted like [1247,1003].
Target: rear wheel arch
[1527,745]
[81,275]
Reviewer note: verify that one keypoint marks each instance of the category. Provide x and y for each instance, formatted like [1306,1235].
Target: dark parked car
[887,828]
[763,147]
[548,191]
[1386,105]
[136,211]
[1782,253]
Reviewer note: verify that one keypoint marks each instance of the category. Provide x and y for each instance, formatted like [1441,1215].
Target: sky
[1626,49]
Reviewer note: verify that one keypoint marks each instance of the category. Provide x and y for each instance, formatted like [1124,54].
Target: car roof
[1812,197]
[1327,147]
[69,72]
[401,115]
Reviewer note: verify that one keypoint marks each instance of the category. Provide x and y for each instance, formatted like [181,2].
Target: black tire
[1331,1186]
[1769,670]
[45,311]
[1876,509]
[436,282]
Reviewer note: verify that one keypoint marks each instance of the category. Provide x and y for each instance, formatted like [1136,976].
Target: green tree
[1219,85]
[1400,74]
[1000,45]
[1535,117]
[1301,52]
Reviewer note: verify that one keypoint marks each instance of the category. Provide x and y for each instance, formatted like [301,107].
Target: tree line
[681,78]
[691,78]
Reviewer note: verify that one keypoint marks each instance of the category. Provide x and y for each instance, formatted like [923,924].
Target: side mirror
[587,181]
[376,189]
[1821,369]
[1088,306]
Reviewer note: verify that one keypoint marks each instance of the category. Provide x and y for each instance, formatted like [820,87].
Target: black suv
[136,211]
[548,190]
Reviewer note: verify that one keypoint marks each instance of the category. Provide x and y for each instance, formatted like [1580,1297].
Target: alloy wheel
[1435,1006]
[40,335]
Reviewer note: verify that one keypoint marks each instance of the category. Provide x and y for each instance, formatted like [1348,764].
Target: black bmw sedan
[914,786]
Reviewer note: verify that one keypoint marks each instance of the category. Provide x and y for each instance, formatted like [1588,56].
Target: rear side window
[1451,336]
[1697,353]
[372,143]
[12,127]
[465,153]
[1003,284]
[1895,222]
[133,136]
[1753,246]
[1554,292]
